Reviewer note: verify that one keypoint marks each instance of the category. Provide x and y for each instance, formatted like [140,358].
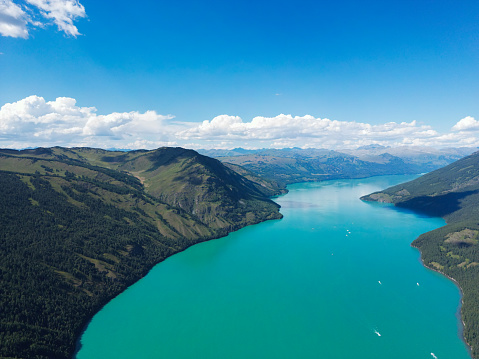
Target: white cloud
[13,20]
[304,131]
[62,13]
[16,20]
[466,124]
[37,122]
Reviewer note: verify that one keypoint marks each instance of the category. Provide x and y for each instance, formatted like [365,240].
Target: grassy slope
[451,192]
[77,230]
[269,187]
[202,186]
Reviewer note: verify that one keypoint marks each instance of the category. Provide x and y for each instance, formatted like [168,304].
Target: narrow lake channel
[335,278]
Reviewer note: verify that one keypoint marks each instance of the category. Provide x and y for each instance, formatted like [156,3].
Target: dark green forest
[451,192]
[75,234]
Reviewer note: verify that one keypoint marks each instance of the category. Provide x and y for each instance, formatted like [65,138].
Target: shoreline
[78,344]
[460,308]
[461,327]
[461,303]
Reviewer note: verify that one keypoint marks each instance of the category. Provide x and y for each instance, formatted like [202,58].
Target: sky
[239,73]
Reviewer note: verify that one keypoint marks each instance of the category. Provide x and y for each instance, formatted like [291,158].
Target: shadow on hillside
[437,206]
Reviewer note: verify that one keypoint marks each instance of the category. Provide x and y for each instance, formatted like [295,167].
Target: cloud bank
[16,20]
[307,130]
[34,122]
[310,132]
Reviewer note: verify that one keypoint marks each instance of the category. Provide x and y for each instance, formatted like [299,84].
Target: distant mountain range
[304,165]
[78,226]
[451,192]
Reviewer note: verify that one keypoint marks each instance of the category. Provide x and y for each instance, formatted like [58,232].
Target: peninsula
[452,193]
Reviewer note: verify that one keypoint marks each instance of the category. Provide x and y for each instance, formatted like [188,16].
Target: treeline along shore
[452,193]
[78,226]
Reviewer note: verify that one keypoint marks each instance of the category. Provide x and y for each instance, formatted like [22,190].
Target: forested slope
[451,192]
[76,230]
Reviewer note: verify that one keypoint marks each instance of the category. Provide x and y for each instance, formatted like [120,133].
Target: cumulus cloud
[466,124]
[33,122]
[61,122]
[305,130]
[15,19]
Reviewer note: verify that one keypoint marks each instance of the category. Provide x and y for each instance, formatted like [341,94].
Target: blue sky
[239,65]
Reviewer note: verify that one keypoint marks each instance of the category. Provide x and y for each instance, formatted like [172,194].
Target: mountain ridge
[293,165]
[78,229]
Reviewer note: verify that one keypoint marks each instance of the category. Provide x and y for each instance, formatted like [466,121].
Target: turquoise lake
[335,278]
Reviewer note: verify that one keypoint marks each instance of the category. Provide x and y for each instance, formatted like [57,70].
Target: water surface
[335,278]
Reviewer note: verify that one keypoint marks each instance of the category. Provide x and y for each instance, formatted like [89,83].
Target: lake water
[335,278]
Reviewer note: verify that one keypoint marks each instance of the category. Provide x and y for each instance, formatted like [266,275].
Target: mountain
[80,225]
[426,158]
[451,192]
[304,165]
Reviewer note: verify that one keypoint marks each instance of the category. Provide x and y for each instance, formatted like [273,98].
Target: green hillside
[451,192]
[80,225]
